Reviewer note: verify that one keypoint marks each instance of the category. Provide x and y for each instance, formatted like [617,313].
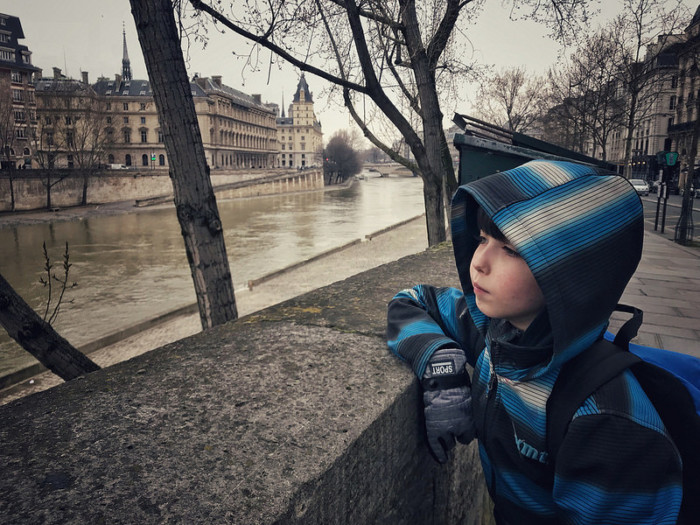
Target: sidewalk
[666,287]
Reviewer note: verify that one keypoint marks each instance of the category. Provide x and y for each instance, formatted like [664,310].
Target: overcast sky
[86,35]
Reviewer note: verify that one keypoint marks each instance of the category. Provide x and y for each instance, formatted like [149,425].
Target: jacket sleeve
[424,319]
[613,469]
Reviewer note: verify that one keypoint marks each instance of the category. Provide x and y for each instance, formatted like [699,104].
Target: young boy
[544,252]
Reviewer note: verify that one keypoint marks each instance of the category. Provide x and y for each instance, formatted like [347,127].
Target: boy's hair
[487,226]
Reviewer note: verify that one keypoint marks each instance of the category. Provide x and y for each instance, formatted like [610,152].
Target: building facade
[687,99]
[300,133]
[71,128]
[17,96]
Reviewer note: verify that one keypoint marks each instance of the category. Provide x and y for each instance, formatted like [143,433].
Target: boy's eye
[511,252]
[480,239]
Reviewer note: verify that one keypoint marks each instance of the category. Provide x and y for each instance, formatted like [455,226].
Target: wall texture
[295,415]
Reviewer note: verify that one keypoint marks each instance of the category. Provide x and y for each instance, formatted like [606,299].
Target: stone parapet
[295,414]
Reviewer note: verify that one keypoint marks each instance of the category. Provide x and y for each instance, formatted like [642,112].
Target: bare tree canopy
[511,99]
[399,57]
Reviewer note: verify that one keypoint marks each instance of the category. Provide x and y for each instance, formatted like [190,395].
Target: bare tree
[586,90]
[37,336]
[195,202]
[342,159]
[396,55]
[511,99]
[641,32]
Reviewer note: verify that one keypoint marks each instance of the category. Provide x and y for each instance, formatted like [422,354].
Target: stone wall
[120,185]
[297,414]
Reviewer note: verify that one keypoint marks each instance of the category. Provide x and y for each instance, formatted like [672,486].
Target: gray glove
[448,402]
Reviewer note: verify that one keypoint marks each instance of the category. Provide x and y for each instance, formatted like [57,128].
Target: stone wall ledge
[295,414]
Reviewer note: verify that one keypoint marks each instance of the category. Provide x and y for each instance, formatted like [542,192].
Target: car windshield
[637,181]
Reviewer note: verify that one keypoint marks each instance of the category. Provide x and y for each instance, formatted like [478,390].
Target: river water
[132,267]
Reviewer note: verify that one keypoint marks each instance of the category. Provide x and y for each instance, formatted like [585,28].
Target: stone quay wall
[29,186]
[296,414]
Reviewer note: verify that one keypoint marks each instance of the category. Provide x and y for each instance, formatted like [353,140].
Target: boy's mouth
[478,289]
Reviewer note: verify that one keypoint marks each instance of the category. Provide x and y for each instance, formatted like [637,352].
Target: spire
[126,64]
[282,104]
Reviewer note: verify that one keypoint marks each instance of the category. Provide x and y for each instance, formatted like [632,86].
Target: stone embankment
[146,187]
[294,414]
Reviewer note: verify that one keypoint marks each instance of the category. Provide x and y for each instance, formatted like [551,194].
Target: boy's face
[503,283]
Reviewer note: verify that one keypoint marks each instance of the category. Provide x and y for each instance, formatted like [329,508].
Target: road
[673,210]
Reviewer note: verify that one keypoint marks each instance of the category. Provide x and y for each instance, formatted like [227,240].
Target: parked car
[640,186]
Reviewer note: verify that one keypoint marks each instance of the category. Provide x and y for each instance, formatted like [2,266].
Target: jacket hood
[579,230]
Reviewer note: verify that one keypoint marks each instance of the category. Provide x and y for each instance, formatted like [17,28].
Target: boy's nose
[480,260]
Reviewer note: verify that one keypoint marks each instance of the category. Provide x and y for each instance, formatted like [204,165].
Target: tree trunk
[194,196]
[86,179]
[12,194]
[48,192]
[38,338]
[630,131]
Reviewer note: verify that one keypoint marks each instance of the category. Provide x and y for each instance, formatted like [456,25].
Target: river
[132,267]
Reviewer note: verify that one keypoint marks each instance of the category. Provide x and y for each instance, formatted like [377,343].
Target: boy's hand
[448,402]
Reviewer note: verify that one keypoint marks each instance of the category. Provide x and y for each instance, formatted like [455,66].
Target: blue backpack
[671,380]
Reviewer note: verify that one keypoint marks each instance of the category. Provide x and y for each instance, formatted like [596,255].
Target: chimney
[57,73]
[257,99]
[85,77]
[201,82]
[117,79]
[39,73]
[217,80]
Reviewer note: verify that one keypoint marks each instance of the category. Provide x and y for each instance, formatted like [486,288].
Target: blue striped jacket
[580,232]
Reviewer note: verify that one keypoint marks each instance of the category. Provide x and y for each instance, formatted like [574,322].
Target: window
[125,105]
[143,120]
[20,133]
[127,160]
[127,136]
[108,107]
[109,120]
[670,123]
[47,121]
[110,159]
[19,116]
[69,139]
[126,120]
[161,160]
[282,147]
[144,135]
[674,82]
[17,95]
[144,160]
[160,136]
[49,139]
[69,121]
[70,161]
[672,103]
[9,56]
[142,107]
[17,76]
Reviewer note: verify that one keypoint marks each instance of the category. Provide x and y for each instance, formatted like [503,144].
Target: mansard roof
[238,97]
[696,17]
[63,86]
[13,25]
[133,88]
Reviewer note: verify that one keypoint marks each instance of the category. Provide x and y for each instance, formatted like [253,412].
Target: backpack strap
[586,373]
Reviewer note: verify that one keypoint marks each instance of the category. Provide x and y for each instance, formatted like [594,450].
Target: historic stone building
[17,99]
[238,130]
[70,131]
[300,134]
[687,97]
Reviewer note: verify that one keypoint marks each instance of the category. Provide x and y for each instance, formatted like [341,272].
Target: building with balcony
[17,99]
[300,134]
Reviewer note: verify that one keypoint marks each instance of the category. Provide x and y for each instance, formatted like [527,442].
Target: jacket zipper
[491,392]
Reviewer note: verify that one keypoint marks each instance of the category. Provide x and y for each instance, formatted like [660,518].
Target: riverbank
[76,213]
[377,249]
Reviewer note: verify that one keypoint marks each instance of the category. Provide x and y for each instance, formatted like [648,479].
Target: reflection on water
[133,267]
